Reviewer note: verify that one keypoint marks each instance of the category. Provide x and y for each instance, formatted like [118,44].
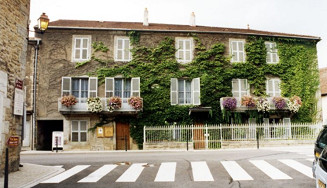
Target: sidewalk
[30,175]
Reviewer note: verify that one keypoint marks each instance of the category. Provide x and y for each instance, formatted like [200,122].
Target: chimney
[192,20]
[146,19]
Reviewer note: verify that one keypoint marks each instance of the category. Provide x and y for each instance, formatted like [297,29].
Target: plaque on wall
[100,132]
[108,131]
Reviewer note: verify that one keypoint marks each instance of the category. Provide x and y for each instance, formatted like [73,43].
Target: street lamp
[43,23]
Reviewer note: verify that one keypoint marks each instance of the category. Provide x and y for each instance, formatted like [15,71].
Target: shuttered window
[240,88]
[237,50]
[273,87]
[184,91]
[184,47]
[122,49]
[81,88]
[121,87]
[81,48]
[79,131]
[272,54]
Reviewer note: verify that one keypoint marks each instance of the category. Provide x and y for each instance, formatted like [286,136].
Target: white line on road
[201,171]
[270,170]
[61,177]
[236,171]
[166,172]
[98,174]
[132,173]
[298,166]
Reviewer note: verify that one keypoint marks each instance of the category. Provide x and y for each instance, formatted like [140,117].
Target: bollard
[56,144]
[125,143]
[257,140]
[6,169]
[187,142]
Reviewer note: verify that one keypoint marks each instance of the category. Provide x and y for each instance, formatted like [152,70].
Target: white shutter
[109,87]
[93,87]
[277,87]
[235,88]
[177,47]
[196,91]
[135,85]
[173,91]
[66,86]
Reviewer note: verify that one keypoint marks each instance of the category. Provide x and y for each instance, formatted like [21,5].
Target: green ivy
[155,66]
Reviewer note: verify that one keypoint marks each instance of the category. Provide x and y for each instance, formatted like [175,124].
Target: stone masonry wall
[14,16]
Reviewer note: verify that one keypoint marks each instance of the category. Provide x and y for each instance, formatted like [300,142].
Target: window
[272,56]
[122,49]
[184,53]
[81,88]
[273,87]
[79,131]
[240,88]
[184,91]
[122,87]
[237,50]
[81,48]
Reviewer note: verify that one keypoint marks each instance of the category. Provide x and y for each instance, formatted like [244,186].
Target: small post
[125,143]
[56,144]
[257,139]
[187,141]
[6,169]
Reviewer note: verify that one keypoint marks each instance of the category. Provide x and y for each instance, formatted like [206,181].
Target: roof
[138,26]
[323,81]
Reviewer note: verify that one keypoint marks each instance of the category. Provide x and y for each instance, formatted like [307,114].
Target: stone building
[14,17]
[73,50]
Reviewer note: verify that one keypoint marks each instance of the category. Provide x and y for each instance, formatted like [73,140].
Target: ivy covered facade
[165,74]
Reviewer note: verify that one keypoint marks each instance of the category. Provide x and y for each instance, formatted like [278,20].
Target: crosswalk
[201,172]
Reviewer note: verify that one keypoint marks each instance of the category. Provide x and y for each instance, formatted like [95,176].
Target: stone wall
[14,16]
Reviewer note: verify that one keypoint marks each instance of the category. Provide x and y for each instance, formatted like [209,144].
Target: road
[268,167]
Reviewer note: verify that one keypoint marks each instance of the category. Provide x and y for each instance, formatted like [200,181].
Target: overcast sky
[308,17]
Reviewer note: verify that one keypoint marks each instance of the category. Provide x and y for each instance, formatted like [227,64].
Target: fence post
[144,137]
[221,136]
[187,135]
[206,136]
[257,139]
[125,143]
[6,169]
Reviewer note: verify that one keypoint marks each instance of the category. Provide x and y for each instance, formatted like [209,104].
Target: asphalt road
[223,168]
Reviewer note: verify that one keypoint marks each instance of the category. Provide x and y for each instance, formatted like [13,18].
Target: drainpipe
[36,47]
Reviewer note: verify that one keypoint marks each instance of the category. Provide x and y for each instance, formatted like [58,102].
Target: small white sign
[19,102]
[57,138]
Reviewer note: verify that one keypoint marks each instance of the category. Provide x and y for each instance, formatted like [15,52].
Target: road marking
[166,172]
[98,174]
[270,170]
[67,174]
[298,166]
[132,173]
[201,171]
[59,166]
[310,159]
[236,171]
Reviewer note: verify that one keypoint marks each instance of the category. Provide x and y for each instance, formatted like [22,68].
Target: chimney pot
[192,20]
[146,19]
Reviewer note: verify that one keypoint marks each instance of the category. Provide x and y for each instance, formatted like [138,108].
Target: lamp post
[43,23]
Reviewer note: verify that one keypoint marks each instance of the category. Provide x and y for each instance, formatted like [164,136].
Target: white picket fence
[212,136]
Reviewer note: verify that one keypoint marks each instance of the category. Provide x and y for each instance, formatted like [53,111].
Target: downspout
[36,47]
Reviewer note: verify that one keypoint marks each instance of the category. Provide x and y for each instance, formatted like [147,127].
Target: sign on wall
[19,98]
[13,141]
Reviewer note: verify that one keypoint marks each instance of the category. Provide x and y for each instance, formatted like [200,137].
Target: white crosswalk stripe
[310,159]
[201,171]
[132,173]
[98,174]
[166,172]
[65,175]
[270,170]
[236,171]
[298,166]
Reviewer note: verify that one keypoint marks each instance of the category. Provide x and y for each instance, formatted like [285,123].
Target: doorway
[44,133]
[122,136]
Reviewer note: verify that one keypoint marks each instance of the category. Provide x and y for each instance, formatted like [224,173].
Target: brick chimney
[146,17]
[192,20]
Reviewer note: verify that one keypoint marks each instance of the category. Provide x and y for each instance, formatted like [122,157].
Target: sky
[306,17]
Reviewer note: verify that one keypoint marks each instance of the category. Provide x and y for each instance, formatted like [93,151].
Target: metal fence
[212,136]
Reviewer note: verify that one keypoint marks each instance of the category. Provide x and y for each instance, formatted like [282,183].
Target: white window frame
[184,50]
[91,91]
[274,92]
[79,131]
[231,41]
[240,91]
[88,48]
[195,92]
[184,92]
[273,47]
[124,49]
[110,92]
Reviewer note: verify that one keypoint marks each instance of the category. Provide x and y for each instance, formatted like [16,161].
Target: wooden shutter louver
[109,87]
[93,87]
[173,91]
[196,91]
[135,85]
[66,86]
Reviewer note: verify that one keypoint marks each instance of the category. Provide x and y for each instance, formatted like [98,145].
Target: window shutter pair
[67,84]
[122,49]
[195,91]
[110,87]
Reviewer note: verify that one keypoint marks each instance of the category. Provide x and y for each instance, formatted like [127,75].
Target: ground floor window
[79,131]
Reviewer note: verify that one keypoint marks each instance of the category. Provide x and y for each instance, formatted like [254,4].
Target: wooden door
[122,136]
[198,136]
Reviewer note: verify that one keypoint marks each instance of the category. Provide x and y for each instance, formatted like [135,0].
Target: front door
[122,136]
